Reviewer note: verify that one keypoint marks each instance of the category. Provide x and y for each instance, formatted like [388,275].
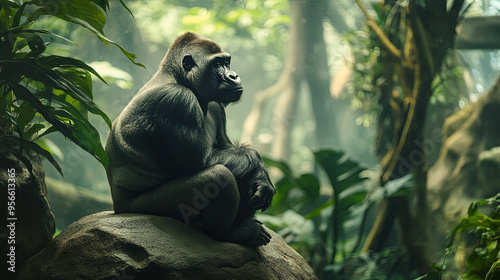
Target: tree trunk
[429,31]
[317,75]
[306,62]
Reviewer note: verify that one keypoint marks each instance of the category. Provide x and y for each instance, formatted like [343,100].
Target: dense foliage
[327,227]
[41,93]
[484,261]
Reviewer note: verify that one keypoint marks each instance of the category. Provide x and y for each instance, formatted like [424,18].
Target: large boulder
[468,165]
[27,222]
[135,246]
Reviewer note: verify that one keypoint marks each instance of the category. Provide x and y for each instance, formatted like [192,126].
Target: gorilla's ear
[188,62]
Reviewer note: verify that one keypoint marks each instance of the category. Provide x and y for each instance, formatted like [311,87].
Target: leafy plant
[293,192]
[345,179]
[311,219]
[327,227]
[484,261]
[41,93]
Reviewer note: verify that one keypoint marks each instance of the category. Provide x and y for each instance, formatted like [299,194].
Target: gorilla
[169,153]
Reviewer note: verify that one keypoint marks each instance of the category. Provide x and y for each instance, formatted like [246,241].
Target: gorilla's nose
[233,76]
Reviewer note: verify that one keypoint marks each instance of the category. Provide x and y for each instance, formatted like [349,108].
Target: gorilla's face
[210,77]
[229,88]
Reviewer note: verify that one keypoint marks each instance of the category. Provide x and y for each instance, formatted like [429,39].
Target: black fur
[170,144]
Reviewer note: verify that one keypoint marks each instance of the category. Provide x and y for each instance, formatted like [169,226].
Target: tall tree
[421,33]
[306,63]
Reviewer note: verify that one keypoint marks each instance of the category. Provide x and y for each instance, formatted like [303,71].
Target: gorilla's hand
[261,199]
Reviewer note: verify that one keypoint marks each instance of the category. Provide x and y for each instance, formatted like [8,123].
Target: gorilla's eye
[218,62]
[228,65]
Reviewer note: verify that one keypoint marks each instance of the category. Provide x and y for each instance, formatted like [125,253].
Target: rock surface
[34,226]
[467,168]
[135,246]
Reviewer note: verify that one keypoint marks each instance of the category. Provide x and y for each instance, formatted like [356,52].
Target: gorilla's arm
[219,114]
[243,162]
[183,130]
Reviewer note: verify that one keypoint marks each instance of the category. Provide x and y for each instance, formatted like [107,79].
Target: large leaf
[25,115]
[5,22]
[104,4]
[107,41]
[316,212]
[84,13]
[76,11]
[295,192]
[283,187]
[13,33]
[43,152]
[281,165]
[344,175]
[31,69]
[311,186]
[53,61]
[341,171]
[33,129]
[80,133]
[398,187]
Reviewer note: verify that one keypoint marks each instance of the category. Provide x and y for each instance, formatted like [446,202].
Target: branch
[395,156]
[421,40]
[386,43]
[455,12]
[253,118]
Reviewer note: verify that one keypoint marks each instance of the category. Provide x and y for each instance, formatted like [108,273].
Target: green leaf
[316,212]
[341,171]
[53,61]
[83,13]
[25,33]
[78,11]
[281,165]
[352,196]
[107,41]
[17,17]
[328,160]
[397,187]
[32,70]
[25,115]
[283,187]
[20,44]
[104,4]
[494,271]
[84,136]
[310,185]
[5,22]
[32,129]
[344,167]
[350,179]
[36,45]
[41,151]
[47,131]
[13,121]
[70,111]
[126,8]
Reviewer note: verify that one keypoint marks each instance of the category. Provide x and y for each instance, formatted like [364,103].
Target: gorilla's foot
[249,232]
